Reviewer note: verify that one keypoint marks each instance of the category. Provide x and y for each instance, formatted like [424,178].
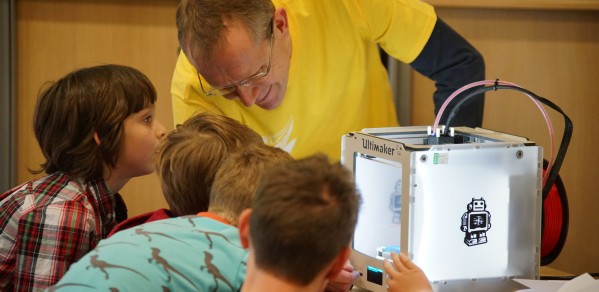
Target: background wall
[56,37]
[550,52]
[7,94]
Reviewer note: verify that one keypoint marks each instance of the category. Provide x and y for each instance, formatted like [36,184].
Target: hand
[343,281]
[405,276]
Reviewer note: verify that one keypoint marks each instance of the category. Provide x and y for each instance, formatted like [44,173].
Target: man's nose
[247,94]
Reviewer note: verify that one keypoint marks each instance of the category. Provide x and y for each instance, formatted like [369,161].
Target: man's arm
[449,60]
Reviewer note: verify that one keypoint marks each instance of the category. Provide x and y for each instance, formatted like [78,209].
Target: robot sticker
[395,203]
[476,222]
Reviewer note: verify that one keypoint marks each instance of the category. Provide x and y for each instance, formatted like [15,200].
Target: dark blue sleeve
[450,61]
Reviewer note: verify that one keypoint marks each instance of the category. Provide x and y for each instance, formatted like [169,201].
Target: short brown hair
[304,213]
[201,23]
[235,181]
[86,101]
[189,157]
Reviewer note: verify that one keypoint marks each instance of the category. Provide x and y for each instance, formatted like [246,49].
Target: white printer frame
[439,185]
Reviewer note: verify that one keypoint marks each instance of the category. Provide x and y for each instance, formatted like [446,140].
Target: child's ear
[339,262]
[244,227]
[96,138]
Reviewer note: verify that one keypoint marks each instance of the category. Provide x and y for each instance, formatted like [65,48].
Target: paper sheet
[582,283]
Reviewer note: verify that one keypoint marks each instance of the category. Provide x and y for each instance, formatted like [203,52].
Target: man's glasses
[250,81]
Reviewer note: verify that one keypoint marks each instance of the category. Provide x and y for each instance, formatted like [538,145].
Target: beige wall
[552,53]
[56,37]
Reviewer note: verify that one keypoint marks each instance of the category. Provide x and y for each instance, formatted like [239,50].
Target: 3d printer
[465,204]
[469,212]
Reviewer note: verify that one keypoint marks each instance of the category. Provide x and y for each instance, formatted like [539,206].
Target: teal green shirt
[191,253]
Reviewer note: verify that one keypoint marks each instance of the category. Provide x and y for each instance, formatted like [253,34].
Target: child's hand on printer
[405,276]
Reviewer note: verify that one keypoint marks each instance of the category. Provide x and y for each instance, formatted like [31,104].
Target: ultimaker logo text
[381,148]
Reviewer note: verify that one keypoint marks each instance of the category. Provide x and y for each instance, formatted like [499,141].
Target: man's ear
[96,138]
[280,20]
[339,262]
[244,228]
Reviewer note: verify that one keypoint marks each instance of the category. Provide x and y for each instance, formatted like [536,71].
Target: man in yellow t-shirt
[302,73]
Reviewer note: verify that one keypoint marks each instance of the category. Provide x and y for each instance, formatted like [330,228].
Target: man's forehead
[236,54]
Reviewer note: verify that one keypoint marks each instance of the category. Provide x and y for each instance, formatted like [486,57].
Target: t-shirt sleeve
[400,27]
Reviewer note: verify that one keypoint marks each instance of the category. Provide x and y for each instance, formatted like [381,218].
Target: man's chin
[270,105]
[270,102]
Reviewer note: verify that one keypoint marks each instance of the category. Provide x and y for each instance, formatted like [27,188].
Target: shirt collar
[104,203]
[214,216]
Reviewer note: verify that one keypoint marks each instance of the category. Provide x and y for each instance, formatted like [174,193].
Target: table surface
[549,271]
[544,271]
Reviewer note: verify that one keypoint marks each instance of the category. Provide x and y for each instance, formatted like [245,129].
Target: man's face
[240,59]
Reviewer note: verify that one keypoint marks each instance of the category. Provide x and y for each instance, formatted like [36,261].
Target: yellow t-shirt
[337,83]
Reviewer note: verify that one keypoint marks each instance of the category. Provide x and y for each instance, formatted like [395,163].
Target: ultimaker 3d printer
[467,210]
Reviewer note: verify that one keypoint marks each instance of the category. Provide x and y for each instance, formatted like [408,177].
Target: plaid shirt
[47,224]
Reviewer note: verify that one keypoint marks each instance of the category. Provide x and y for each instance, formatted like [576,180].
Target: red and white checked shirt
[49,223]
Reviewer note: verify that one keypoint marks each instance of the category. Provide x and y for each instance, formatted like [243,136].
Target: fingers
[399,264]
[346,277]
[405,275]
[355,275]
[343,280]
[407,262]
[348,267]
[389,269]
[347,274]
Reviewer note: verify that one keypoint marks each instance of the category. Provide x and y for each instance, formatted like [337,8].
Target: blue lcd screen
[374,275]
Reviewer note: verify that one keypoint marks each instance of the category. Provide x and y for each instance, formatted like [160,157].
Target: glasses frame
[264,70]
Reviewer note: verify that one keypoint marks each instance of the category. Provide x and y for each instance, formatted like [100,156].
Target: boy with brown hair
[190,253]
[300,226]
[196,149]
[96,128]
